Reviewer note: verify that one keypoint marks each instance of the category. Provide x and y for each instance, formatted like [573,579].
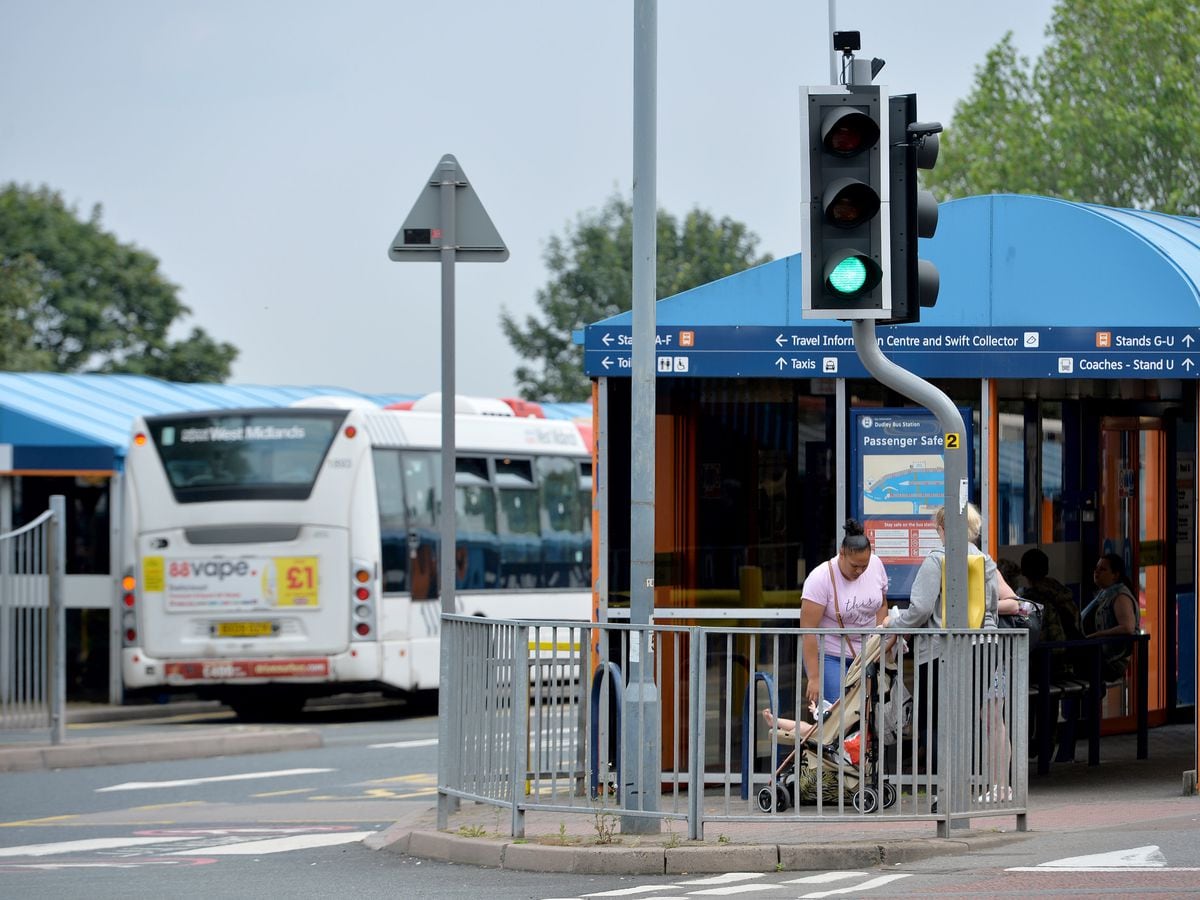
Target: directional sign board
[716,351]
[475,237]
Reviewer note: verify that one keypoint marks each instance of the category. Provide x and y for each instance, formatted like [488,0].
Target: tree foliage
[591,278]
[75,299]
[1109,114]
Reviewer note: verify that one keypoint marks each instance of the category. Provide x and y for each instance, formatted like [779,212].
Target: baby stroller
[841,752]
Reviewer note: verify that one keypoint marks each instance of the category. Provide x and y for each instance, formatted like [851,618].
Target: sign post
[447,224]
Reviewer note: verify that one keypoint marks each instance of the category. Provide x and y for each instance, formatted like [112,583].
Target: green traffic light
[848,277]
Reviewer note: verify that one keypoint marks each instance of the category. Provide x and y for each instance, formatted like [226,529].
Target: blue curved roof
[1005,260]
[82,422]
[57,421]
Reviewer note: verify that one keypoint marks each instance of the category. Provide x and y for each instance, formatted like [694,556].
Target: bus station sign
[710,351]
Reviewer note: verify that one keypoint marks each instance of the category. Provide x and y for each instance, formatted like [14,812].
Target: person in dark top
[1060,613]
[1113,611]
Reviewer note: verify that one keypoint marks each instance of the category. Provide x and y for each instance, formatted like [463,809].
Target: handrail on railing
[29,526]
[748,723]
[615,683]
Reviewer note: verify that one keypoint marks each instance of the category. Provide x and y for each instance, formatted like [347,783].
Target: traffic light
[915,281]
[844,187]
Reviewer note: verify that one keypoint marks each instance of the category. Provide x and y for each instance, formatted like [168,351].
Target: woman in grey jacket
[924,612]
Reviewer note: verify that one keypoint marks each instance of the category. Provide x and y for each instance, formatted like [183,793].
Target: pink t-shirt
[859,600]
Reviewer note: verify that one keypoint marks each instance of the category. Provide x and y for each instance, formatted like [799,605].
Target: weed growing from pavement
[605,824]
[472,831]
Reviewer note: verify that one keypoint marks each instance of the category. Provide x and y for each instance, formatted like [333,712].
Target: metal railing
[32,626]
[538,719]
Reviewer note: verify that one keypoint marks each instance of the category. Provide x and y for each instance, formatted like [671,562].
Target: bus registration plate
[244,629]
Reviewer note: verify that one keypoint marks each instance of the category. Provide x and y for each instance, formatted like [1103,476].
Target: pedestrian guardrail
[32,626]
[924,729]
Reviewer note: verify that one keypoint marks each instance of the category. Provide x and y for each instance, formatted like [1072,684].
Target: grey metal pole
[57,618]
[833,54]
[642,766]
[920,391]
[955,665]
[448,173]
[840,455]
[448,181]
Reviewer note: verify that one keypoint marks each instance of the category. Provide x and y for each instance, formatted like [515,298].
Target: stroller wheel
[889,795]
[866,800]
[765,796]
[783,798]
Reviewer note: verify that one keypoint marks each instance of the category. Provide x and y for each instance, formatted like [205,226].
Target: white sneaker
[997,794]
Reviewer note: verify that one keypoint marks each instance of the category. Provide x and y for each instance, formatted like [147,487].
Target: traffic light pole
[920,391]
[641,762]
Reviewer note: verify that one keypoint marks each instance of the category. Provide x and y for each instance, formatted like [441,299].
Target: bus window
[393,527]
[422,475]
[520,543]
[563,552]
[244,455]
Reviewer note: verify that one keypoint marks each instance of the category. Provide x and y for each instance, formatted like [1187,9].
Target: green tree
[591,278]
[20,275]
[81,300]
[1110,112]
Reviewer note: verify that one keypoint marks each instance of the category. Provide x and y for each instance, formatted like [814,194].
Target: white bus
[274,555]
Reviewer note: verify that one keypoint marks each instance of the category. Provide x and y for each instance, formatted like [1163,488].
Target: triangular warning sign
[423,233]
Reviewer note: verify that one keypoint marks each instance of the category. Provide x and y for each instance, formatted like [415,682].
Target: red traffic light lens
[848,203]
[848,132]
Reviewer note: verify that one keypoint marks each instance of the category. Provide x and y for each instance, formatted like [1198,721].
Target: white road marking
[858,888]
[1135,858]
[277,845]
[187,782]
[730,887]
[1149,857]
[84,845]
[426,742]
[826,877]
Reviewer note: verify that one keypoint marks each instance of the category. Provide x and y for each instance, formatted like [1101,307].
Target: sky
[266,153]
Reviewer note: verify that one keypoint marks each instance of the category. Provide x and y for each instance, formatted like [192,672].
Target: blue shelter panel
[64,459]
[1005,260]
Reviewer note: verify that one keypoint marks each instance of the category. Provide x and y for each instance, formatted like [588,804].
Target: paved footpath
[1073,797]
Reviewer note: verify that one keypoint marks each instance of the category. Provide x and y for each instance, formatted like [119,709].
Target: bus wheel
[257,706]
[423,703]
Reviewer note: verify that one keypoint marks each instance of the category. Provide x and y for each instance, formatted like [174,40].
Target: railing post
[696,657]
[520,731]
[56,617]
[448,683]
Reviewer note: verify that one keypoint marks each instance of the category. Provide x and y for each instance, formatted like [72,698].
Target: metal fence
[546,716]
[32,626]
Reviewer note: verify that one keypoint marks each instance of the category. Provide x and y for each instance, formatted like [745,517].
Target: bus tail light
[362,601]
[129,605]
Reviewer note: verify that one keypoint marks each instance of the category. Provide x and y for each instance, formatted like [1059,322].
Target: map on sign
[897,477]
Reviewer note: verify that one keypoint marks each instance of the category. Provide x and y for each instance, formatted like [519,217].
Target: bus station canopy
[1004,259]
[1077,274]
[52,422]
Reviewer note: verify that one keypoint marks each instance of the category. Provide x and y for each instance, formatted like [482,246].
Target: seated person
[790,728]
[1113,611]
[1060,614]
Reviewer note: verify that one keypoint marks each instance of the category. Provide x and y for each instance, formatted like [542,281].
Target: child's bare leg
[781,724]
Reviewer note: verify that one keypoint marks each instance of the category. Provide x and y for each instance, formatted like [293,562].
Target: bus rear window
[242,456]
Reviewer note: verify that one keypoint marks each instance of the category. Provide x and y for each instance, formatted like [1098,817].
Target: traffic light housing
[844,192]
[914,212]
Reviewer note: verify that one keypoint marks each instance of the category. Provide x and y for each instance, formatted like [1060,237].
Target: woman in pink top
[848,591]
